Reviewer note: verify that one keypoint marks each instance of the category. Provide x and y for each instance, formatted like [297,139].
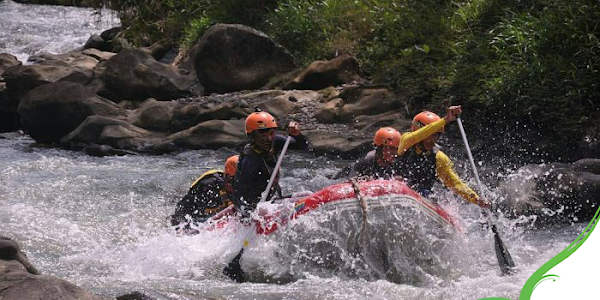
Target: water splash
[31,29]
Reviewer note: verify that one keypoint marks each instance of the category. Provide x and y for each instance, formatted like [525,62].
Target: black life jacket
[368,166]
[419,169]
[205,198]
[268,163]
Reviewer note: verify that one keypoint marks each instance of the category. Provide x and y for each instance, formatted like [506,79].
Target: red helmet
[387,136]
[422,119]
[259,120]
[231,165]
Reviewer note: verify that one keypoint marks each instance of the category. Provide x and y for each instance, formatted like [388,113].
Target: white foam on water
[26,30]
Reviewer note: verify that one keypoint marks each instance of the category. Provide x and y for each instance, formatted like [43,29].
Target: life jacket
[419,168]
[267,165]
[368,166]
[215,172]
[205,198]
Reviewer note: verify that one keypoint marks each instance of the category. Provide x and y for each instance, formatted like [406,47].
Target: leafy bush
[533,62]
[183,21]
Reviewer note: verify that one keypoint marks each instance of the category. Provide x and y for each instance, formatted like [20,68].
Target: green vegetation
[529,62]
[184,21]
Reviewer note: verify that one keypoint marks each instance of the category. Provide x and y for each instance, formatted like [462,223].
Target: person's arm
[297,143]
[450,179]
[409,139]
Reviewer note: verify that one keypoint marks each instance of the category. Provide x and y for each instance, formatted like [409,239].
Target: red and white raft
[376,200]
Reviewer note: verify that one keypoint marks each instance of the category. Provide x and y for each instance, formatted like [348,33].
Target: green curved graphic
[544,278]
[540,275]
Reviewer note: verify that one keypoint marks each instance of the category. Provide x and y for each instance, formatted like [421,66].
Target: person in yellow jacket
[208,195]
[421,161]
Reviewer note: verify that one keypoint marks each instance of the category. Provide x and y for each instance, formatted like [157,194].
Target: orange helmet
[422,119]
[387,136]
[259,120]
[231,165]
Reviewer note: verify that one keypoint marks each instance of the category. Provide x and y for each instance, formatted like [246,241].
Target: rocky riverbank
[150,100]
[130,100]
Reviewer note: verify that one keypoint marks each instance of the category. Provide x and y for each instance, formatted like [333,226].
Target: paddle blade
[504,258]
[234,270]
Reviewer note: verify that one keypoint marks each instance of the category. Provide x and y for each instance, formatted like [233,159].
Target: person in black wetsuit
[258,159]
[381,161]
[254,170]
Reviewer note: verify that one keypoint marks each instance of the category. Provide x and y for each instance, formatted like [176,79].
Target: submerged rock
[554,193]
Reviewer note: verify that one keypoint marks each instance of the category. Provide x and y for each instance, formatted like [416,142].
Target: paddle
[504,258]
[233,270]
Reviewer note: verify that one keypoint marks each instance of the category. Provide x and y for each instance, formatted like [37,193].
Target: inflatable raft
[377,229]
[362,197]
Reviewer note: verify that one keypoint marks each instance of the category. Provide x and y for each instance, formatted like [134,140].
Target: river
[101,222]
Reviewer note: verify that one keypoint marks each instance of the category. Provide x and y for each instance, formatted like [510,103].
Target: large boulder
[329,113]
[22,79]
[76,59]
[95,41]
[10,250]
[113,132]
[172,116]
[223,111]
[321,74]
[359,101]
[157,115]
[7,61]
[210,135]
[135,74]
[395,118]
[85,67]
[108,40]
[279,107]
[337,143]
[365,100]
[97,54]
[19,280]
[554,193]
[9,119]
[232,57]
[51,111]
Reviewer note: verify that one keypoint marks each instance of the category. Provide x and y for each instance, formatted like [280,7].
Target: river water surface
[101,222]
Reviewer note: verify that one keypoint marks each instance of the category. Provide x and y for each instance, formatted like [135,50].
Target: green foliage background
[530,66]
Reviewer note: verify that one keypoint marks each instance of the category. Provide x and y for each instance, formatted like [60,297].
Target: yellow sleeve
[409,139]
[445,172]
